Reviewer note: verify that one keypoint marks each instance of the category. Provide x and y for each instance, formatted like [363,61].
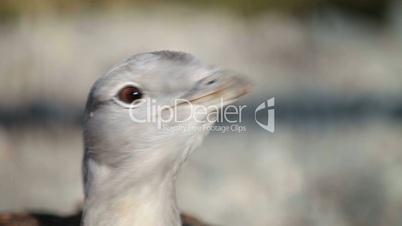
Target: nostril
[210,82]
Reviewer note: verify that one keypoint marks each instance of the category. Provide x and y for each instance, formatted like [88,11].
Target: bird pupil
[129,94]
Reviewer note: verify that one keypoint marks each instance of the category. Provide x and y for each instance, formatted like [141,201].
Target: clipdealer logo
[269,107]
[171,118]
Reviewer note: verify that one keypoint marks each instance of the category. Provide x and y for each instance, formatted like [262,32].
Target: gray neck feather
[114,198]
[133,193]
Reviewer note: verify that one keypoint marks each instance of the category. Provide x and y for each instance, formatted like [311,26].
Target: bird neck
[117,197]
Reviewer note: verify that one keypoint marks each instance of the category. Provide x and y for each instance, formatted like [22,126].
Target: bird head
[131,108]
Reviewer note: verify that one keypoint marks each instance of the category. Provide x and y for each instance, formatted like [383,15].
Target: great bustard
[131,158]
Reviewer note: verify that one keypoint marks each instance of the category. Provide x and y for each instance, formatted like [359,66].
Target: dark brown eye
[129,94]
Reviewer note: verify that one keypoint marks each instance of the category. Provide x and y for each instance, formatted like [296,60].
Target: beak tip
[247,89]
[246,85]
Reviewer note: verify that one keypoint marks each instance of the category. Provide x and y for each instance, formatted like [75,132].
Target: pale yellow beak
[223,86]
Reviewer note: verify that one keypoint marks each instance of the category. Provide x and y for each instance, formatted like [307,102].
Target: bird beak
[223,86]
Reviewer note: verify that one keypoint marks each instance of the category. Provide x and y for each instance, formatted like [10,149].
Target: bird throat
[116,197]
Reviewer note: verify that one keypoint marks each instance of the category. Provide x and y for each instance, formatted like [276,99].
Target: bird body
[130,162]
[41,219]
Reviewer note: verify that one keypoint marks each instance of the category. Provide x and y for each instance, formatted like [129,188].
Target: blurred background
[333,66]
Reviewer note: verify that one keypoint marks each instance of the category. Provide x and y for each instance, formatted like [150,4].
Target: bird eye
[129,94]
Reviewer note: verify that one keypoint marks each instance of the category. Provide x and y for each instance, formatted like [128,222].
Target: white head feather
[130,167]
